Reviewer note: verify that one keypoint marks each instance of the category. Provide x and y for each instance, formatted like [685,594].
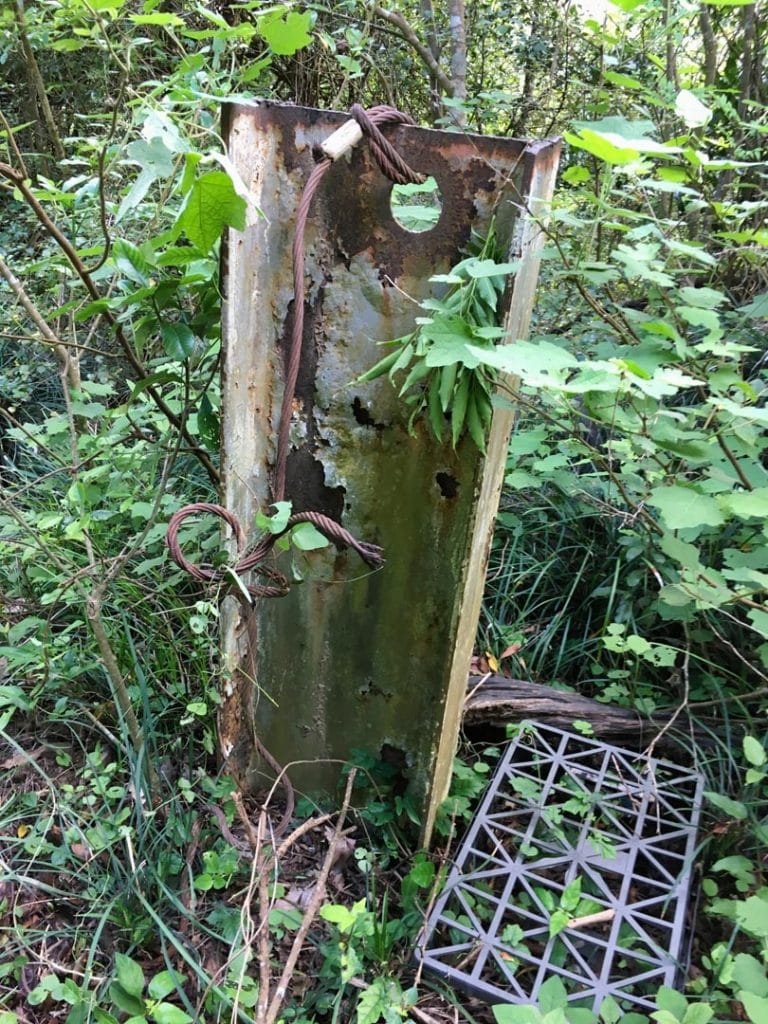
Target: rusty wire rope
[253,558]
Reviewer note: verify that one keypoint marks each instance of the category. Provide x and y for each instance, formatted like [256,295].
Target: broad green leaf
[749,974]
[747,504]
[125,1001]
[733,808]
[757,308]
[131,261]
[178,339]
[759,620]
[752,914]
[618,140]
[129,975]
[155,160]
[625,81]
[576,175]
[704,298]
[516,1014]
[692,111]
[536,363]
[275,523]
[166,1013]
[756,1007]
[286,34]
[682,508]
[694,252]
[163,984]
[671,1001]
[753,751]
[623,127]
[685,554]
[338,915]
[558,921]
[698,1013]
[488,268]
[552,994]
[212,205]
[307,538]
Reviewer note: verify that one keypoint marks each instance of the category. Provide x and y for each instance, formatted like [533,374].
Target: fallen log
[495,700]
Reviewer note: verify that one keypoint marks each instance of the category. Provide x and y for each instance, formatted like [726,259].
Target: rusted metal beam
[354,659]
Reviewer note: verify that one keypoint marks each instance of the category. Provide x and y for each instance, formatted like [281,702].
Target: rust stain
[353,457]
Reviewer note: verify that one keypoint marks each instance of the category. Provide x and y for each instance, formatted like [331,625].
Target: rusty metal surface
[352,658]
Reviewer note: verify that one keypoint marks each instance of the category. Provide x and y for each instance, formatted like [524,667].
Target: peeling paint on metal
[352,658]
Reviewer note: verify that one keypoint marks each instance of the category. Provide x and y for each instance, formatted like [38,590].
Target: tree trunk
[458,58]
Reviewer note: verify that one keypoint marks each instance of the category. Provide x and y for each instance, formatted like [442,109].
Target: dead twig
[270,1015]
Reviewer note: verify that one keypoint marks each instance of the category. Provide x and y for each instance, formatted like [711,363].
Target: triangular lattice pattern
[563,807]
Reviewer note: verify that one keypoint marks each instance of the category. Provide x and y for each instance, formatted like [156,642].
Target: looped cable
[253,559]
[396,169]
[389,160]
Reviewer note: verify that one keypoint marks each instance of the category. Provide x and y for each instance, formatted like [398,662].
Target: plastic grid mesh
[561,806]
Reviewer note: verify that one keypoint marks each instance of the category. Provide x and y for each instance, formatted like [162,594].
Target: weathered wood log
[496,700]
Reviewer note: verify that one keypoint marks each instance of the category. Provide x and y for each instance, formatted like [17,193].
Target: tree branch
[33,70]
[70,366]
[141,371]
[407,33]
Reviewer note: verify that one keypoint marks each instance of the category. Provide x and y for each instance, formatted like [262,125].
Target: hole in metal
[449,485]
[416,208]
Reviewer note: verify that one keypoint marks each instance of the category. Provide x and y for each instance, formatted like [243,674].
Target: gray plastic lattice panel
[562,807]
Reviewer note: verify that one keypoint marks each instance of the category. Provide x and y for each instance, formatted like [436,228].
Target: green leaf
[125,1001]
[759,620]
[538,364]
[372,1002]
[671,1001]
[571,894]
[208,424]
[129,975]
[683,508]
[756,1007]
[749,974]
[166,1013]
[706,298]
[286,34]
[130,260]
[165,982]
[733,808]
[212,205]
[558,921]
[488,268]
[753,751]
[752,915]
[155,160]
[520,1014]
[747,504]
[552,995]
[178,339]
[625,81]
[307,538]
